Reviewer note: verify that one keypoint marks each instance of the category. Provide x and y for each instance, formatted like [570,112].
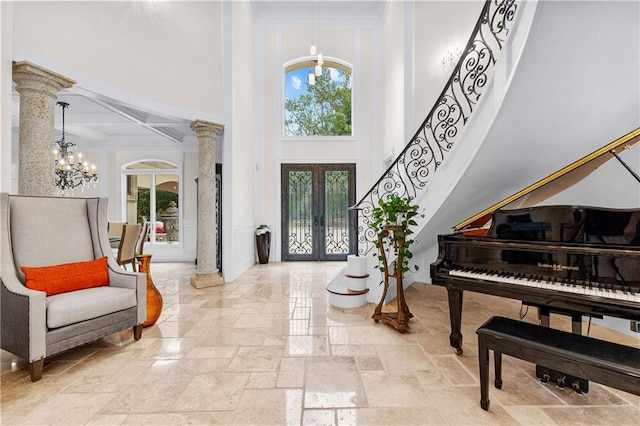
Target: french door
[316,221]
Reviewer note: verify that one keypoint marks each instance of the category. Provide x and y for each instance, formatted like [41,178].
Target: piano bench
[607,363]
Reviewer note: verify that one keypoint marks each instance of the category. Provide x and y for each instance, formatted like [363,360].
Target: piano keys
[576,260]
[563,285]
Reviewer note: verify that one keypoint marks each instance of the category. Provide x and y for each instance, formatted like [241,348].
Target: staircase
[349,289]
[411,172]
[552,97]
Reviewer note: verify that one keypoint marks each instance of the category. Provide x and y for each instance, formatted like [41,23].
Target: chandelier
[71,172]
[316,71]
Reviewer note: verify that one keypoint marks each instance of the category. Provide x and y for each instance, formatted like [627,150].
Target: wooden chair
[114,229]
[144,232]
[127,247]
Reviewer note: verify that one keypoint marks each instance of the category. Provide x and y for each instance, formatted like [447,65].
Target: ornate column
[38,90]
[207,275]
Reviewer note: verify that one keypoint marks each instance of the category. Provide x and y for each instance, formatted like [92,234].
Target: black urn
[263,244]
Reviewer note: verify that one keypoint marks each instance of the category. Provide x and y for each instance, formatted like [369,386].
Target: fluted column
[207,274]
[38,90]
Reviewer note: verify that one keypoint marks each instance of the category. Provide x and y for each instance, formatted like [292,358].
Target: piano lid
[556,182]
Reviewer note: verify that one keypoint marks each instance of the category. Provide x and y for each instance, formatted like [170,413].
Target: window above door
[317,102]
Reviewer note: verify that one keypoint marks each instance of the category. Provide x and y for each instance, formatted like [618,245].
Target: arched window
[152,194]
[317,99]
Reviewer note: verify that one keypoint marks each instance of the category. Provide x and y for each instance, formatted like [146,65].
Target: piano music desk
[607,363]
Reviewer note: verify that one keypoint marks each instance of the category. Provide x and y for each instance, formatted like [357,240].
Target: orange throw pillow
[67,277]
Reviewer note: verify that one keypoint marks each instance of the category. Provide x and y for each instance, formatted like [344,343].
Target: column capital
[28,76]
[206,128]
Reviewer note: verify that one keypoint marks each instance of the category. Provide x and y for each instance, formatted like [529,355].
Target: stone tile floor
[267,349]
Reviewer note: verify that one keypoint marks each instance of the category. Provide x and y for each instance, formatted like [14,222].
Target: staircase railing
[426,150]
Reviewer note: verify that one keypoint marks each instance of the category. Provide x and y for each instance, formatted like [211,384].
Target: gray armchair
[44,231]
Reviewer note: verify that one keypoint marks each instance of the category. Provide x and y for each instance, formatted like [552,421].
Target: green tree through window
[151,185]
[322,109]
[162,202]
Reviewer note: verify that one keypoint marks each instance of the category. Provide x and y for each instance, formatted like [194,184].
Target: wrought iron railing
[426,150]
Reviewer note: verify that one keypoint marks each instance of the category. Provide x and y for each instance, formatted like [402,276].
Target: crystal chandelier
[70,171]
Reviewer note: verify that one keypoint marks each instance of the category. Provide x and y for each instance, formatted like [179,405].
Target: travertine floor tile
[319,417]
[617,415]
[399,388]
[179,419]
[260,380]
[212,392]
[404,357]
[256,358]
[70,409]
[269,407]
[267,349]
[419,415]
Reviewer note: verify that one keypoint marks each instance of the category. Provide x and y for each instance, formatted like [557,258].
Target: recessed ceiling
[95,122]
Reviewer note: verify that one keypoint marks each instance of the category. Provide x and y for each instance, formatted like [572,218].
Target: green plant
[394,210]
[262,229]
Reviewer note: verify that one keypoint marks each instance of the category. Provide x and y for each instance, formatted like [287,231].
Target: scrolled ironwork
[427,149]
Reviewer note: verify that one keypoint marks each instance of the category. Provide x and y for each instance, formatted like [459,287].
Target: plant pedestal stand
[399,319]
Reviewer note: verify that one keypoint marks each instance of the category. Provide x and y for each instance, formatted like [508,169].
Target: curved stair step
[341,297]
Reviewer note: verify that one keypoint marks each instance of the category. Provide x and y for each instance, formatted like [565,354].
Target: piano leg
[455,316]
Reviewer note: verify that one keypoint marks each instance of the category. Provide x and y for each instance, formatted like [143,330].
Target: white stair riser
[347,301]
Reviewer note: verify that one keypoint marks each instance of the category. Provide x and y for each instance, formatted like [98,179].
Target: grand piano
[564,259]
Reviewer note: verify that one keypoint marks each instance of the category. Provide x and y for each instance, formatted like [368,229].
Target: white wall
[239,162]
[439,27]
[561,105]
[162,57]
[6,67]
[277,45]
[163,52]
[393,83]
[367,111]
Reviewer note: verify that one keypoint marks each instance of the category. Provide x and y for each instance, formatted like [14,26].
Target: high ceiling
[318,10]
[102,122]
[96,122]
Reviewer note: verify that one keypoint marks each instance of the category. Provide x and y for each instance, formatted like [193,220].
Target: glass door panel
[336,213]
[299,236]
[315,217]
[167,209]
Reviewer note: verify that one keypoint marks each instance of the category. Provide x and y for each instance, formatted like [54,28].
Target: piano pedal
[545,378]
[560,379]
[576,387]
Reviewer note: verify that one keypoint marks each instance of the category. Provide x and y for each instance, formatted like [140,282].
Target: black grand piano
[570,260]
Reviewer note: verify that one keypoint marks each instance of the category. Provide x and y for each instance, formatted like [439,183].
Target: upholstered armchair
[49,235]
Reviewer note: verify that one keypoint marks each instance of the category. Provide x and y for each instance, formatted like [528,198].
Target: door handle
[315,221]
[322,221]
